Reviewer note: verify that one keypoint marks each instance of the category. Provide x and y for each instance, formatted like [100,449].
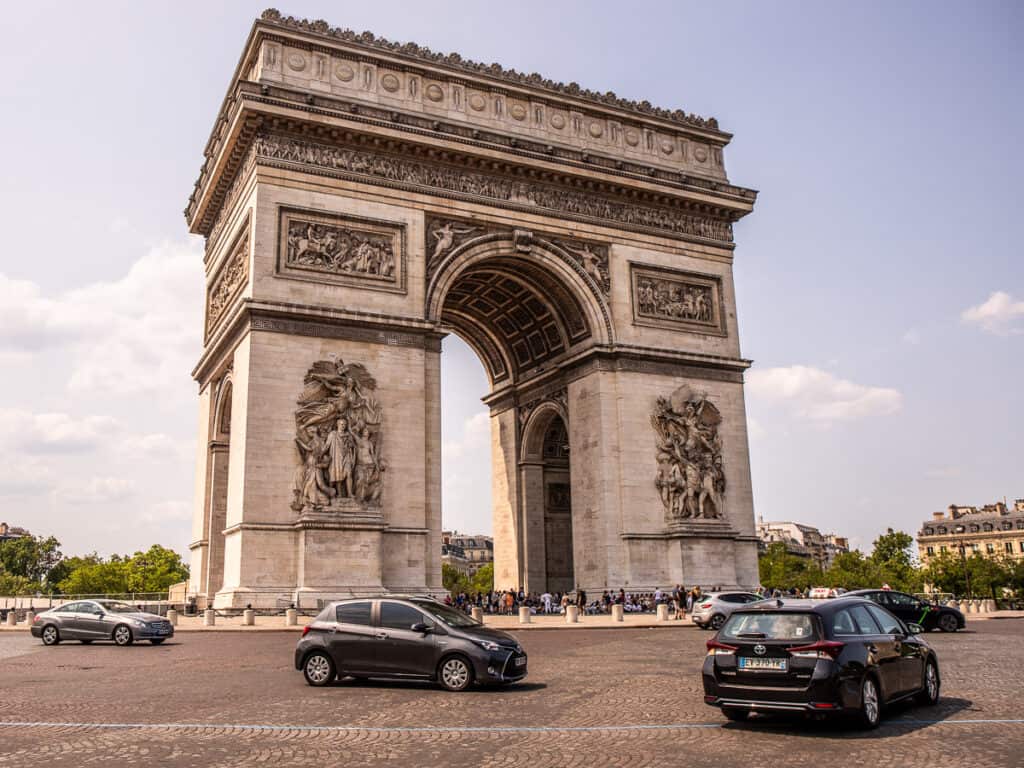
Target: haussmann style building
[991,530]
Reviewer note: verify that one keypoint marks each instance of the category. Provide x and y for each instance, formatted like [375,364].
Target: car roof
[385,597]
[802,605]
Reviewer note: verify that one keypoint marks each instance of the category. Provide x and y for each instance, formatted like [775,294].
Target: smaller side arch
[536,427]
[222,410]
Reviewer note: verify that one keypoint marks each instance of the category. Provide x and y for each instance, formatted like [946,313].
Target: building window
[929,531]
[1009,547]
[974,547]
[989,548]
[943,548]
[1022,547]
[942,529]
[931,551]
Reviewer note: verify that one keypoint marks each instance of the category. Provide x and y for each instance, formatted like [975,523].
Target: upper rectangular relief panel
[310,56]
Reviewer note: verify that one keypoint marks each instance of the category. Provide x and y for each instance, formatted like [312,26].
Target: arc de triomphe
[360,199]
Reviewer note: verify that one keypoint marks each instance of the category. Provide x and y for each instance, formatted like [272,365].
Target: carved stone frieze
[690,477]
[444,234]
[456,61]
[673,299]
[231,277]
[594,260]
[338,433]
[341,249]
[400,171]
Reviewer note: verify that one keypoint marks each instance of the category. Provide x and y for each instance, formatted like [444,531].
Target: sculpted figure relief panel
[690,476]
[338,435]
[341,249]
[231,277]
[667,298]
[400,171]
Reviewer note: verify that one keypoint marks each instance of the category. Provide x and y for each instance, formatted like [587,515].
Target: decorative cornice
[369,41]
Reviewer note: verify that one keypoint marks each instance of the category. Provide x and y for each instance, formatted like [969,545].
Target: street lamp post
[963,559]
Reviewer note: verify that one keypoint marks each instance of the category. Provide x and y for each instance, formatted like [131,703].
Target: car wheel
[51,636]
[123,634]
[929,694]
[737,715]
[948,623]
[870,704]
[716,622]
[158,640]
[318,669]
[455,674]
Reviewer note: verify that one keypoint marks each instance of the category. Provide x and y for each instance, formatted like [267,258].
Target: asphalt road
[593,698]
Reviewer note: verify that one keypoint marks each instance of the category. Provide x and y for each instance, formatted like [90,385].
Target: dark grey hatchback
[410,638]
[840,656]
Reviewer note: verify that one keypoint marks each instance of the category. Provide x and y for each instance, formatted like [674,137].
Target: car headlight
[488,645]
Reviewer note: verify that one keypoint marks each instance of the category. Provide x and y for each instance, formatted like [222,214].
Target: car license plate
[769,665]
[520,661]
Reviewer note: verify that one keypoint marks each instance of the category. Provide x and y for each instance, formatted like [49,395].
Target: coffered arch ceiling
[517,310]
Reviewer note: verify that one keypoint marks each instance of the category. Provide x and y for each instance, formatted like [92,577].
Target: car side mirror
[915,629]
[420,627]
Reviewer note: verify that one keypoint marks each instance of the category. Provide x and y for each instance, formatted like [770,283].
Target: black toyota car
[410,638]
[841,656]
[913,609]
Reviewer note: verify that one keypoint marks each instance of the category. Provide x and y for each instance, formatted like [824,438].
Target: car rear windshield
[770,626]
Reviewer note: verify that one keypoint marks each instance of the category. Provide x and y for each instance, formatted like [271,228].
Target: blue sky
[880,287]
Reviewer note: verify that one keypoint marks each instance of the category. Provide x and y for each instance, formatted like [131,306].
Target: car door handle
[381,635]
[873,648]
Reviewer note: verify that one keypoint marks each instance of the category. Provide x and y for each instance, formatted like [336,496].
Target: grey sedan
[89,620]
[711,611]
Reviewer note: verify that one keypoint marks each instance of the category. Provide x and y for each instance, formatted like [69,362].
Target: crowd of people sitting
[508,602]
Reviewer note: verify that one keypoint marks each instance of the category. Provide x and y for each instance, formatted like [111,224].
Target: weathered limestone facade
[360,200]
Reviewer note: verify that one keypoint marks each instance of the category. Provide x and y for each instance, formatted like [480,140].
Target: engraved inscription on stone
[672,299]
[690,477]
[230,279]
[338,435]
[343,249]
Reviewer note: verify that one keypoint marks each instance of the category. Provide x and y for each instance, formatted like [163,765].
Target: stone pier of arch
[360,200]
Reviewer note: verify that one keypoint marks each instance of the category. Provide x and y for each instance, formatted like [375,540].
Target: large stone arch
[362,199]
[560,306]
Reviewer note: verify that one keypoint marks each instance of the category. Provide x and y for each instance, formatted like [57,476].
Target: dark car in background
[841,656]
[913,609]
[409,638]
[91,620]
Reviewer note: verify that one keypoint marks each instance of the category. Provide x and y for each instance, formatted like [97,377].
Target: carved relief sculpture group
[690,477]
[674,300]
[338,435]
[229,281]
[340,250]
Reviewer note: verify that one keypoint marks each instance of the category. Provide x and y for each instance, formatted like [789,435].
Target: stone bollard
[524,615]
[249,617]
[12,618]
[172,617]
[478,614]
[616,612]
[30,617]
[209,617]
[291,617]
[572,614]
[663,612]
[978,606]
[990,606]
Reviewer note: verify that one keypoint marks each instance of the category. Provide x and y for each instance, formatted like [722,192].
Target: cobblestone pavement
[593,698]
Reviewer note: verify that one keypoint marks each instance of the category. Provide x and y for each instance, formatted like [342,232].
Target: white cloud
[1000,314]
[97,490]
[129,335]
[45,433]
[475,437]
[819,396]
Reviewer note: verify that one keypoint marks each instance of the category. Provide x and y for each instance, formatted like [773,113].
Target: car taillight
[38,617]
[716,648]
[823,649]
[305,630]
[705,605]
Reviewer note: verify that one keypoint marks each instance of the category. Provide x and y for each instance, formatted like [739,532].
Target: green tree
[779,569]
[453,579]
[853,570]
[30,557]
[151,571]
[893,554]
[483,580]
[11,585]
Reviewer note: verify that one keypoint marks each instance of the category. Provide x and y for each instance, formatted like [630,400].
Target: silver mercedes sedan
[89,620]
